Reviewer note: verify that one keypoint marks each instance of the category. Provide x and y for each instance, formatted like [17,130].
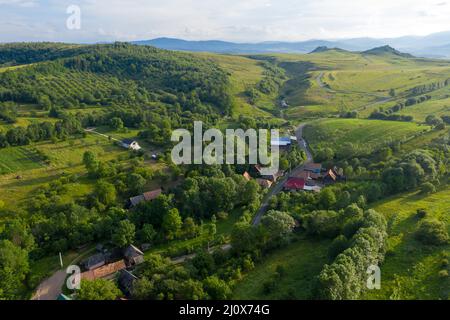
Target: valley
[368,133]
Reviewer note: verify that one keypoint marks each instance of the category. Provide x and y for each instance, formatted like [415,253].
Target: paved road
[280,185]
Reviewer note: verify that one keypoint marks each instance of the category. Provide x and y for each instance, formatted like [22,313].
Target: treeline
[346,277]
[385,115]
[426,88]
[19,136]
[389,114]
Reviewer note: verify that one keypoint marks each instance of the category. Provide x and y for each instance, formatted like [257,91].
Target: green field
[364,135]
[18,159]
[411,269]
[302,261]
[65,158]
[342,81]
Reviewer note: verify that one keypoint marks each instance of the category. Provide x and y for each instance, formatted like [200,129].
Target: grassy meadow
[411,269]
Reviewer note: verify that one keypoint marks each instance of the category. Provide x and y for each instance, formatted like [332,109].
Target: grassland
[364,135]
[411,269]
[244,73]
[301,261]
[19,159]
[342,81]
[65,158]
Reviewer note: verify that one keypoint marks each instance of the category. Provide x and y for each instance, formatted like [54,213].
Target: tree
[14,268]
[427,188]
[210,229]
[90,162]
[190,229]
[116,123]
[392,92]
[136,183]
[99,289]
[105,193]
[216,288]
[172,224]
[327,198]
[124,234]
[278,225]
[433,120]
[147,234]
[433,232]
[203,263]
[339,244]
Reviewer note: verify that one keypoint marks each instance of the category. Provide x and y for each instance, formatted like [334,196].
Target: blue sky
[233,20]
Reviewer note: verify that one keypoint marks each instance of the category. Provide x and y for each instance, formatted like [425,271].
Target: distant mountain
[387,50]
[435,45]
[326,49]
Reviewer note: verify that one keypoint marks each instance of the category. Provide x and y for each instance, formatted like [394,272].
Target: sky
[230,20]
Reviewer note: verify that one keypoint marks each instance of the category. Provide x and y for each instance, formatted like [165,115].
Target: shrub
[421,213]
[427,188]
[432,232]
[443,274]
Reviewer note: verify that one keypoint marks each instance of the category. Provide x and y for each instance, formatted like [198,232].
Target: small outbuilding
[133,256]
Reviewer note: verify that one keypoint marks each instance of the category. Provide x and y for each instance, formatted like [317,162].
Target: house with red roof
[295,184]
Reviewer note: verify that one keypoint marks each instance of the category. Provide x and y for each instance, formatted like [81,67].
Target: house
[134,201]
[147,196]
[104,271]
[330,177]
[247,176]
[152,195]
[294,184]
[265,184]
[130,144]
[282,143]
[133,255]
[314,167]
[312,188]
[333,176]
[272,178]
[96,261]
[126,282]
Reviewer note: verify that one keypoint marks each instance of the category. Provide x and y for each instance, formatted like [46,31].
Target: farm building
[130,144]
[281,142]
[133,255]
[314,167]
[126,282]
[294,184]
[247,176]
[272,178]
[96,261]
[104,271]
[147,196]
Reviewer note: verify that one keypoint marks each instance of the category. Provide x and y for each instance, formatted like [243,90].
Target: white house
[131,144]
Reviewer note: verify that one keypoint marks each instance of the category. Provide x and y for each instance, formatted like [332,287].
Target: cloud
[235,20]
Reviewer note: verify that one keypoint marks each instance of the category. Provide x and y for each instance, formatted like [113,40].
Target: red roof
[295,184]
[104,271]
[152,195]
[247,176]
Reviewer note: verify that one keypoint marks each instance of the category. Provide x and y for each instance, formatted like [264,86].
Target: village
[119,264]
